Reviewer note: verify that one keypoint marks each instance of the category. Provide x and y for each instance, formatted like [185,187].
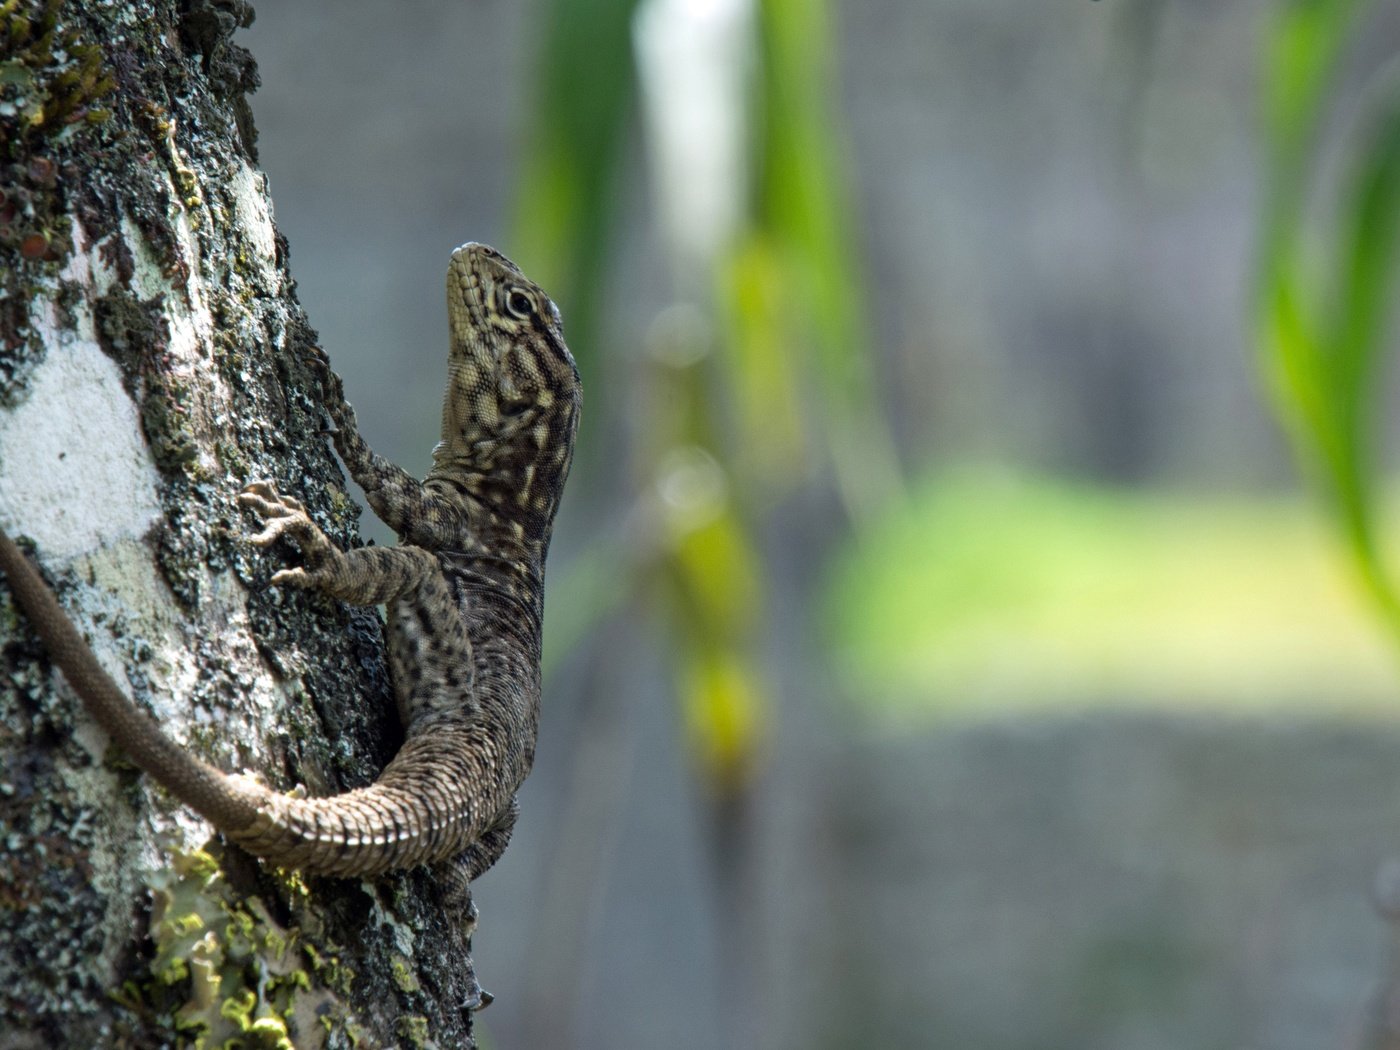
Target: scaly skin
[463,594]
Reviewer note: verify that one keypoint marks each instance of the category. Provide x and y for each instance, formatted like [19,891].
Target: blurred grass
[991,591]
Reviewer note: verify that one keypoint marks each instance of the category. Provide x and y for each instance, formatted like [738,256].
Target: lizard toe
[264,490]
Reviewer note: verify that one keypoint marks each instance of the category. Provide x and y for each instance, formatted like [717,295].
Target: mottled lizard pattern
[463,596]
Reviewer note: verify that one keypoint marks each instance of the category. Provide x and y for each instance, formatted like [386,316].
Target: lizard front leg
[430,655]
[366,576]
[416,515]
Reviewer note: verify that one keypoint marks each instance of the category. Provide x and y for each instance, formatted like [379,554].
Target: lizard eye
[518,305]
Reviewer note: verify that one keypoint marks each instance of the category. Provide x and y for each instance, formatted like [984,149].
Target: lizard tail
[231,804]
[421,809]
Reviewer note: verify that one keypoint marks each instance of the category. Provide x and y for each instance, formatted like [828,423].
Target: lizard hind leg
[477,858]
[456,874]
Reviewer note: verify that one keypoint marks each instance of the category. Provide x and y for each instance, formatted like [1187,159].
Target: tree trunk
[151,364]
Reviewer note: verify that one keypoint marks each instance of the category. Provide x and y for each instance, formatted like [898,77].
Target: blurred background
[969,621]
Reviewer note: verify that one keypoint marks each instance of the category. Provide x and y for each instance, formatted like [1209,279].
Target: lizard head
[513,393]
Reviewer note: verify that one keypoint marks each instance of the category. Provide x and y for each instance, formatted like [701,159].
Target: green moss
[329,970]
[165,417]
[187,182]
[225,973]
[127,328]
[413,1030]
[234,462]
[402,971]
[134,333]
[50,77]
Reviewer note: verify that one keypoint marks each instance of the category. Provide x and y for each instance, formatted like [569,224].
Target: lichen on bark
[151,364]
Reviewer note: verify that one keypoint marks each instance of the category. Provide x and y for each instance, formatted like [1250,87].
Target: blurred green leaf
[790,310]
[715,589]
[584,97]
[758,352]
[1292,339]
[1323,338]
[718,574]
[801,205]
[1303,44]
[725,708]
[1368,265]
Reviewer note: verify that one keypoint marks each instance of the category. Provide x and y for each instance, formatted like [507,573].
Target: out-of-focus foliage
[583,100]
[1324,296]
[798,267]
[779,297]
[990,590]
[716,592]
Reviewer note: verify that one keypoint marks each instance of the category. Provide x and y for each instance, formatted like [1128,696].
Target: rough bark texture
[151,365]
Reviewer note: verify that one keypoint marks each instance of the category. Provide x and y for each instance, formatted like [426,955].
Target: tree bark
[151,364]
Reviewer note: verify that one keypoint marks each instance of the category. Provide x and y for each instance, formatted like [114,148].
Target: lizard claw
[478,999]
[297,577]
[263,497]
[257,490]
[280,512]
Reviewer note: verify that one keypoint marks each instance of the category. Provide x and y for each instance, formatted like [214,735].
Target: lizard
[463,597]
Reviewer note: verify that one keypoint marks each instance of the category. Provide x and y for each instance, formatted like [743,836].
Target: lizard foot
[479,999]
[286,516]
[252,777]
[332,386]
